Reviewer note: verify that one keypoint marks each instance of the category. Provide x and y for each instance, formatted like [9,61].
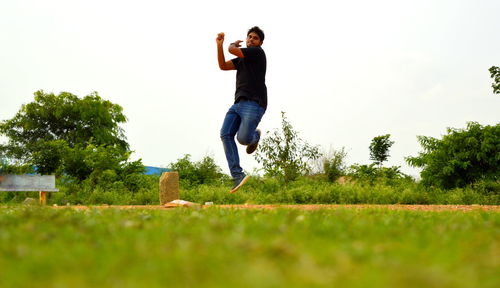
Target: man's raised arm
[223,64]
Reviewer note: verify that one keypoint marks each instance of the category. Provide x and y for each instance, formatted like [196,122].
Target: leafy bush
[372,174]
[284,155]
[83,161]
[460,158]
[205,171]
[334,165]
[107,187]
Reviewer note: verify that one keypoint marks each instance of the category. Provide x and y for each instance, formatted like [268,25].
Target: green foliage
[6,167]
[205,171]
[372,174]
[460,158]
[307,190]
[379,148]
[110,188]
[495,75]
[283,154]
[105,187]
[334,165]
[58,133]
[81,162]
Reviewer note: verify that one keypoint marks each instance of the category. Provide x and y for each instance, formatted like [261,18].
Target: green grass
[270,191]
[215,247]
[311,191]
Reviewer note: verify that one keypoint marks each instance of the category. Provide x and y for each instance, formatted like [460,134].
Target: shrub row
[270,191]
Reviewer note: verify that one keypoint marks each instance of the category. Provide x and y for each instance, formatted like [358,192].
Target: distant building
[150,170]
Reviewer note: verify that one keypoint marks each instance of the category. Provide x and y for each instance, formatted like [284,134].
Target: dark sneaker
[238,183]
[252,147]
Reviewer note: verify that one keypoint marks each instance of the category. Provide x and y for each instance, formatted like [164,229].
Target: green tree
[379,148]
[283,154]
[63,133]
[495,75]
[81,161]
[196,173]
[462,157]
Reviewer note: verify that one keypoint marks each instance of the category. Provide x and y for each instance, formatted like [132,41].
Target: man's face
[253,40]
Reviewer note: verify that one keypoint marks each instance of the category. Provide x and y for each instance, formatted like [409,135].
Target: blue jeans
[242,120]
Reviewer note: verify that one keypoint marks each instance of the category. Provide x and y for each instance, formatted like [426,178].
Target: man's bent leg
[251,113]
[229,129]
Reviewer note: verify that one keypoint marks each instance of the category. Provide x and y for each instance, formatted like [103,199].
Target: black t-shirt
[251,76]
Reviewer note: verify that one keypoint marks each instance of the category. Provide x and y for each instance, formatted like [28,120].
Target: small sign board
[10,182]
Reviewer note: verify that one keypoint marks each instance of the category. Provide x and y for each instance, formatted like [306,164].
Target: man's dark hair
[258,31]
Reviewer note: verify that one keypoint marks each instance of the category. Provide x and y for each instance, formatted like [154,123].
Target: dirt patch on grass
[465,208]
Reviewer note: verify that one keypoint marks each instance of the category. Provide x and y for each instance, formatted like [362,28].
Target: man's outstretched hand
[237,43]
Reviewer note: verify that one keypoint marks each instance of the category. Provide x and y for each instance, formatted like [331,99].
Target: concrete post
[169,187]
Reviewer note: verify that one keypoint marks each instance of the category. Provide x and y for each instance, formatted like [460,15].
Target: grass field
[265,190]
[221,247]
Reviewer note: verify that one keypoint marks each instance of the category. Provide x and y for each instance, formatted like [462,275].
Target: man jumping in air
[250,99]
